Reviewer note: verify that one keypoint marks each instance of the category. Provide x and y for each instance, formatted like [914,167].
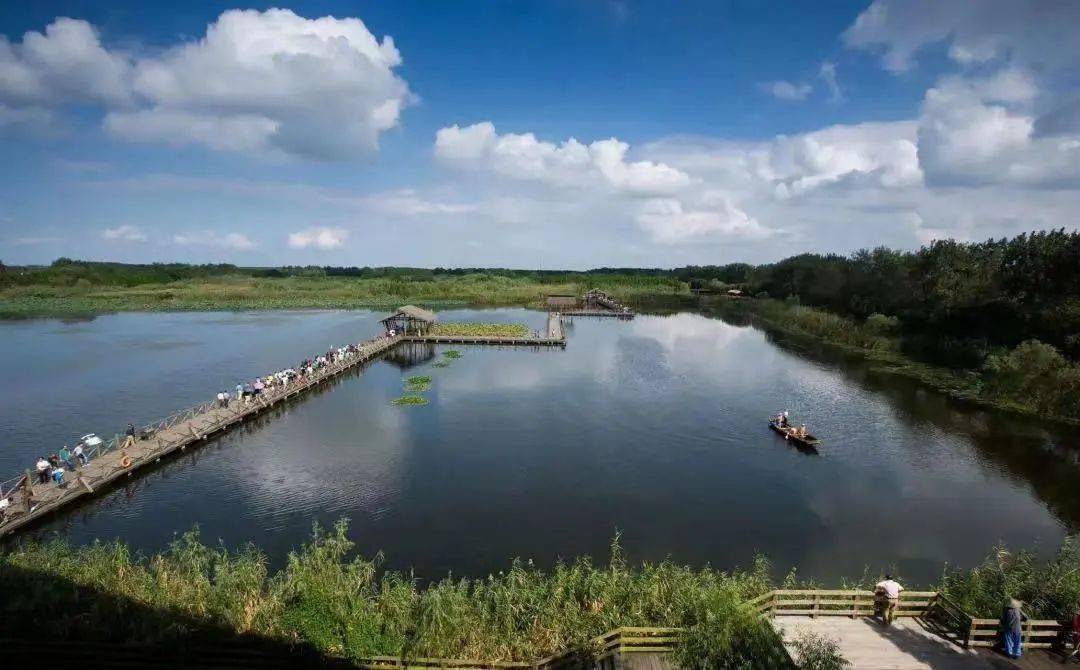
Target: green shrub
[882,324]
[728,634]
[817,652]
[1036,375]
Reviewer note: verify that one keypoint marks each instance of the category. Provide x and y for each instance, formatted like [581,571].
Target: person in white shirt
[42,470]
[888,590]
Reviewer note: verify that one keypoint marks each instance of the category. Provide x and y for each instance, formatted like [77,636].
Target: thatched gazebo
[561,301]
[409,320]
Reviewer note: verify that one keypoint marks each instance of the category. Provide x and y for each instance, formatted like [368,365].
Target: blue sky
[560,134]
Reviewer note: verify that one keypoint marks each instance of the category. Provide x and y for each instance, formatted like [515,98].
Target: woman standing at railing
[1012,618]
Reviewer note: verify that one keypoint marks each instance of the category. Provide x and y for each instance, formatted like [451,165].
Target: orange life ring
[125,462]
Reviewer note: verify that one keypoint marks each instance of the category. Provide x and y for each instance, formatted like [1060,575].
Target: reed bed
[349,606]
[235,292]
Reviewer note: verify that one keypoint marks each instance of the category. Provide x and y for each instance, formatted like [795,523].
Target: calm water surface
[655,427]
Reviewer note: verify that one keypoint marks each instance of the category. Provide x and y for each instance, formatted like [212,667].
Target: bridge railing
[623,640]
[1037,633]
[837,602]
[947,618]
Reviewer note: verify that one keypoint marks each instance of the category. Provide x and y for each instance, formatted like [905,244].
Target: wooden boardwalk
[31,501]
[598,312]
[868,645]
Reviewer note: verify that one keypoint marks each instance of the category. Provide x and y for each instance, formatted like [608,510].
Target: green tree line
[954,302]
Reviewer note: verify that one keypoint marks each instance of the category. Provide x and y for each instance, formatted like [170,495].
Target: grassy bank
[348,606]
[77,296]
[1032,378]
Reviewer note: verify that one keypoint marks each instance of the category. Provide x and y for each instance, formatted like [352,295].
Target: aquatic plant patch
[418,383]
[480,329]
[410,399]
[452,354]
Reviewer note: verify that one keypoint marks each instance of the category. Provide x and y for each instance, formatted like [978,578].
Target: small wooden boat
[792,435]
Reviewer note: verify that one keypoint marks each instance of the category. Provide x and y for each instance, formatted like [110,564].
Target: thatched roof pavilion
[409,320]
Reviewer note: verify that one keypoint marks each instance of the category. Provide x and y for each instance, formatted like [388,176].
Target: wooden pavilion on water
[557,301]
[409,320]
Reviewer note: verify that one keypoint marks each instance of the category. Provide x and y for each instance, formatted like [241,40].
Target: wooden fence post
[28,491]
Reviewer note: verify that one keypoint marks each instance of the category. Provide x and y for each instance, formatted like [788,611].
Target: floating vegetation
[440,364]
[418,383]
[411,399]
[452,354]
[480,329]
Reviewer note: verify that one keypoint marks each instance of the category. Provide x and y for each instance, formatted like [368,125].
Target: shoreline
[958,385]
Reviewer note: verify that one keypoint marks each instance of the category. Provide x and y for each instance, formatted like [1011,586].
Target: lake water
[654,427]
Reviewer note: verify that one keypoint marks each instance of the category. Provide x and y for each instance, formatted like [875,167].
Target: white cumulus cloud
[125,233]
[976,32]
[270,82]
[324,239]
[570,164]
[667,222]
[210,238]
[65,64]
[785,90]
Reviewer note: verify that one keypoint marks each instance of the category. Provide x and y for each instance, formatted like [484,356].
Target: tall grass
[349,606]
[234,292]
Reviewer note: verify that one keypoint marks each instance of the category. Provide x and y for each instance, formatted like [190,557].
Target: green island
[343,605]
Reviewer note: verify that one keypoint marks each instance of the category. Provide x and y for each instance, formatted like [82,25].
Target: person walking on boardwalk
[129,436]
[1012,631]
[79,454]
[1072,639]
[65,456]
[888,592]
[42,468]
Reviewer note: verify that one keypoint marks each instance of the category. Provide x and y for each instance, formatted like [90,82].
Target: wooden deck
[554,336]
[598,312]
[193,426]
[906,645]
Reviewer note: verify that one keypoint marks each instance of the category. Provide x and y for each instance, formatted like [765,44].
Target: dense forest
[953,302]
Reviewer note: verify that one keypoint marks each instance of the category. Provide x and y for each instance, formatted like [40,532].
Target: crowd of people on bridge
[51,468]
[249,392]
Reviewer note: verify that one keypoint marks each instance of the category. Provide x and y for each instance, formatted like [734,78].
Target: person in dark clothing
[1073,638]
[1012,619]
[129,436]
